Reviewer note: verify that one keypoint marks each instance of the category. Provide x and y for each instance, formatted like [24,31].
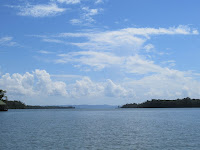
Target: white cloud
[149,47]
[96,60]
[75,21]
[45,52]
[40,10]
[125,39]
[138,65]
[113,90]
[90,12]
[154,80]
[125,46]
[39,83]
[98,1]
[7,41]
[53,41]
[46,85]
[86,88]
[99,60]
[69,1]
[170,63]
[169,84]
[18,84]
[32,84]
[86,16]
[181,29]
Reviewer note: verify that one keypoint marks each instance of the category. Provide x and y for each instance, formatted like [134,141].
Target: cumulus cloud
[168,84]
[113,90]
[18,84]
[42,10]
[86,88]
[39,83]
[45,85]
[32,84]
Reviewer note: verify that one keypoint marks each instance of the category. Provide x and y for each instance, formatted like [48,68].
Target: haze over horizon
[70,52]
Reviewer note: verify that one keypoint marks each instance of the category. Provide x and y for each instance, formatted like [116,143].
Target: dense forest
[15,104]
[158,103]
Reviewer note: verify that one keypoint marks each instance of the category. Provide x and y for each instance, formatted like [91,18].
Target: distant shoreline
[158,103]
[49,107]
[20,105]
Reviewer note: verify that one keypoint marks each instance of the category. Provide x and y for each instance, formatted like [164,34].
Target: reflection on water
[145,129]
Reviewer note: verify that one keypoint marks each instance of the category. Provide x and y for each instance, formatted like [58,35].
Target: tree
[3,95]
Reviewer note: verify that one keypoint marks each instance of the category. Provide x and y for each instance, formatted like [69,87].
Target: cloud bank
[170,84]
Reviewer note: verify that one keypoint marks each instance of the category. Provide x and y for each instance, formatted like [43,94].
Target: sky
[71,52]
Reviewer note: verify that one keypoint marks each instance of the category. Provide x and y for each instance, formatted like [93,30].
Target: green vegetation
[157,103]
[3,95]
[3,106]
[14,104]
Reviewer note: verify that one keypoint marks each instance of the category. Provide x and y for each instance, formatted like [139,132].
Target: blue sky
[99,51]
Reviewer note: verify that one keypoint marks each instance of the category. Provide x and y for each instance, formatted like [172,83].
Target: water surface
[140,129]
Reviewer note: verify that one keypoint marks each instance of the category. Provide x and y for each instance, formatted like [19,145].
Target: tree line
[158,103]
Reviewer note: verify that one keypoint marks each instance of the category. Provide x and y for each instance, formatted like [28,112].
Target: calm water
[123,129]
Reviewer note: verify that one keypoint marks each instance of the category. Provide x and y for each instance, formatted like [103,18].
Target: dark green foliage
[2,95]
[15,104]
[157,103]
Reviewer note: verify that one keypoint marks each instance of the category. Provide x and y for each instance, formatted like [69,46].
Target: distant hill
[158,103]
